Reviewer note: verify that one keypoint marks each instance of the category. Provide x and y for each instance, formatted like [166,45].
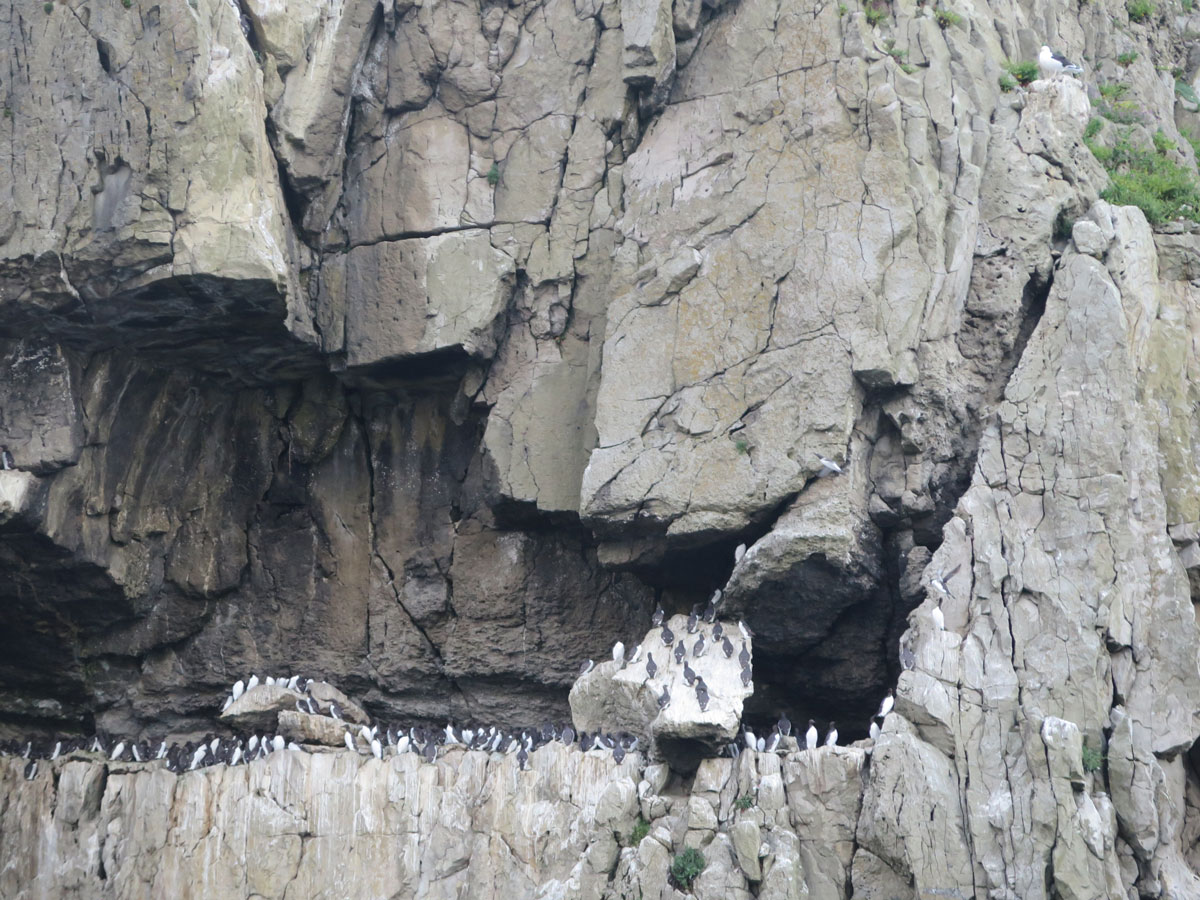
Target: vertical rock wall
[427,347]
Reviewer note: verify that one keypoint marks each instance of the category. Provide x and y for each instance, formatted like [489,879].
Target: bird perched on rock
[738,552]
[657,619]
[886,705]
[698,648]
[668,636]
[618,753]
[239,688]
[831,736]
[810,736]
[688,675]
[939,581]
[829,466]
[727,647]
[618,653]
[873,731]
[784,725]
[1052,64]
[939,621]
[349,739]
[334,709]
[651,668]
[701,693]
[665,699]
[587,666]
[747,676]
[633,655]
[252,683]
[6,458]
[31,767]
[680,651]
[744,655]
[745,630]
[693,620]
[718,632]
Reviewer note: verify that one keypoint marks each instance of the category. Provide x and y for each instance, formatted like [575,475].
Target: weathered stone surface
[616,698]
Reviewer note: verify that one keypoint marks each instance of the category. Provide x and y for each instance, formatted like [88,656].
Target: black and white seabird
[633,655]
[688,675]
[873,731]
[727,647]
[665,699]
[710,614]
[693,621]
[618,753]
[668,636]
[618,653]
[748,737]
[718,632]
[568,735]
[701,693]
[810,736]
[784,725]
[939,621]
[747,676]
[587,666]
[31,767]
[680,651]
[252,683]
[239,688]
[745,630]
[6,457]
[1052,64]
[349,739]
[334,709]
[698,648]
[773,741]
[908,659]
[657,619]
[886,706]
[651,668]
[738,552]
[831,737]
[744,655]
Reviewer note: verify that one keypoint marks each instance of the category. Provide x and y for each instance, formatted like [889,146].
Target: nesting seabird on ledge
[1052,64]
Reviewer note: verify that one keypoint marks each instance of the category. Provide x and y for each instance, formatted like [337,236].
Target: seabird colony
[381,741]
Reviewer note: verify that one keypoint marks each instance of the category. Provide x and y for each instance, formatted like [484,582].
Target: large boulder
[613,697]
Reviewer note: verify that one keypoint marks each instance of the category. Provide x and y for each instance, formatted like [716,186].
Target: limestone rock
[612,698]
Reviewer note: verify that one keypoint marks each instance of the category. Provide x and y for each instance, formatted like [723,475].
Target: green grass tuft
[875,14]
[947,18]
[1024,72]
[1139,10]
[843,9]
[741,445]
[641,828]
[48,7]
[1007,83]
[744,802]
[1186,91]
[1127,59]
[1093,128]
[1157,185]
[1162,143]
[687,866]
[1093,759]
[493,175]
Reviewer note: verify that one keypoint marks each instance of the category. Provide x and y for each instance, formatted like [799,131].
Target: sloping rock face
[426,348]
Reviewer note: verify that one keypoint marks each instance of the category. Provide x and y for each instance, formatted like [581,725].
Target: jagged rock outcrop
[426,348]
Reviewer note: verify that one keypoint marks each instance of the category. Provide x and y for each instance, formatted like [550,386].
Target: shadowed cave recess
[347,526]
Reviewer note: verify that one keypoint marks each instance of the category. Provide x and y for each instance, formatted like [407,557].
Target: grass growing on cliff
[493,175]
[1007,83]
[744,802]
[1126,60]
[1186,91]
[641,828]
[1148,179]
[874,14]
[687,866]
[1139,10]
[947,18]
[1025,72]
[1093,759]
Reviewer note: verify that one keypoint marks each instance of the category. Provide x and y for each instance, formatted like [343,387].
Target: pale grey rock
[746,840]
[304,728]
[1088,238]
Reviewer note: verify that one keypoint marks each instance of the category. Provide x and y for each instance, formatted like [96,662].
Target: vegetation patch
[1024,72]
[1127,59]
[1157,185]
[641,828]
[1007,83]
[744,802]
[741,445]
[875,14]
[1139,10]
[686,867]
[1064,225]
[1186,91]
[947,17]
[493,175]
[1093,759]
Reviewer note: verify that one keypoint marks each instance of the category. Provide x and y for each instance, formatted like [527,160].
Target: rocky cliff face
[426,347]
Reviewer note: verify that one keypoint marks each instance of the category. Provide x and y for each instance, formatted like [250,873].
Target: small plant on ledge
[744,802]
[686,867]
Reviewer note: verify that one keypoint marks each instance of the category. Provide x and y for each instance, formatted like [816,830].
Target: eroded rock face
[426,348]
